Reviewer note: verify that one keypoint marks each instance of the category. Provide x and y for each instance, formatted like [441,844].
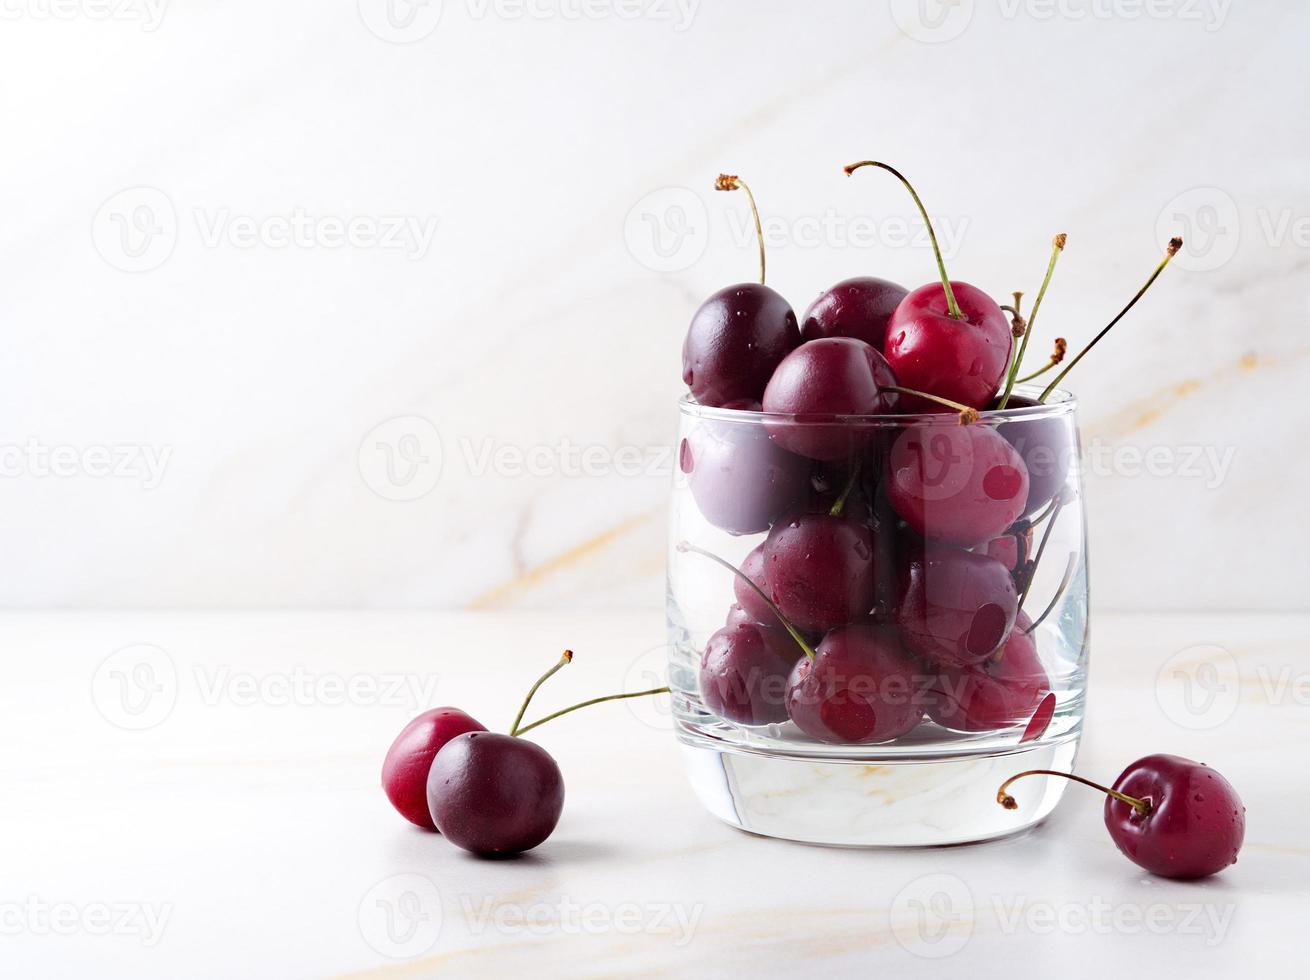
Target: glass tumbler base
[871,803]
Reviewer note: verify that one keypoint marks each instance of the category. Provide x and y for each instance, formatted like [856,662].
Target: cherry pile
[899,544]
[491,794]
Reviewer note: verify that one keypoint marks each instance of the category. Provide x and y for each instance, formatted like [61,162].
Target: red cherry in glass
[960,484]
[495,794]
[741,480]
[739,335]
[743,673]
[963,359]
[820,382]
[861,686]
[948,339]
[958,607]
[1172,816]
[405,769]
[859,308]
[1048,448]
[1000,692]
[819,570]
[748,599]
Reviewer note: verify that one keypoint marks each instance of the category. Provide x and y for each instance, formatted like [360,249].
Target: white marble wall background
[540,312]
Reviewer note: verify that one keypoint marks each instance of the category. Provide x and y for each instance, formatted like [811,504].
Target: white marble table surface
[244,833]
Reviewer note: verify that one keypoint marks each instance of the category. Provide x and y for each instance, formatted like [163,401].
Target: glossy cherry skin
[1196,824]
[743,673]
[998,693]
[741,480]
[736,340]
[958,607]
[959,484]
[405,769]
[964,360]
[819,570]
[861,687]
[495,794]
[859,308]
[1048,447]
[817,384]
[754,607]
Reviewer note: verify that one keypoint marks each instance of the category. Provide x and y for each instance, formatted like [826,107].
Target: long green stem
[1143,807]
[1174,245]
[567,658]
[951,305]
[968,415]
[730,182]
[583,704]
[685,546]
[1057,246]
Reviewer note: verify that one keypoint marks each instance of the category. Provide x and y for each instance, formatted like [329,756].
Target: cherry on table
[743,673]
[859,308]
[959,607]
[405,768]
[948,339]
[741,480]
[739,335]
[1002,691]
[959,484]
[495,794]
[861,686]
[819,570]
[820,382]
[1172,816]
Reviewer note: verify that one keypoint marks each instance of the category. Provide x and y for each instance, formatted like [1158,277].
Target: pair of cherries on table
[867,551]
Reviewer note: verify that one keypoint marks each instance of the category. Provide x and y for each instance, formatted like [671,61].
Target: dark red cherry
[859,308]
[495,794]
[1000,692]
[743,673]
[405,769]
[820,382]
[958,607]
[1048,447]
[960,359]
[961,484]
[861,686]
[819,570]
[1172,816]
[1195,822]
[741,479]
[735,342]
[747,598]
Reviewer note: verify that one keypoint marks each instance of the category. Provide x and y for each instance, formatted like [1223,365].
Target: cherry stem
[952,307]
[968,415]
[1143,807]
[1174,245]
[1041,548]
[1057,357]
[685,546]
[840,505]
[730,182]
[567,658]
[1057,246]
[584,704]
[1064,584]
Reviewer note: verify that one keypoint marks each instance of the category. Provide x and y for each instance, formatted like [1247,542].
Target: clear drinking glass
[936,570]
